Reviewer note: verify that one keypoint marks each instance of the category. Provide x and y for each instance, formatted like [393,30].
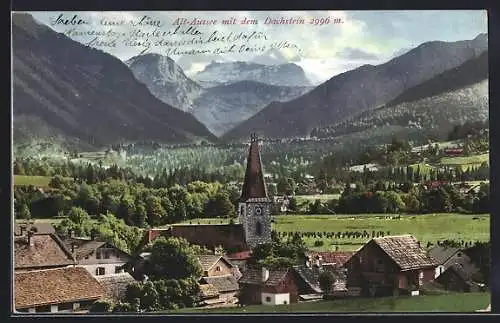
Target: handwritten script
[183,36]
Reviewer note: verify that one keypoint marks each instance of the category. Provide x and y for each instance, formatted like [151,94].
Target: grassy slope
[38,181]
[463,302]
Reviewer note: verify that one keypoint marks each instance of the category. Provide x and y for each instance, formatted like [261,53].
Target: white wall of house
[32,310]
[54,308]
[438,271]
[275,299]
[109,269]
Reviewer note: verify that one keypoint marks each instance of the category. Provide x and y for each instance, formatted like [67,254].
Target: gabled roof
[46,250]
[223,284]
[208,261]
[55,286]
[442,253]
[254,276]
[115,285]
[405,251]
[85,247]
[254,185]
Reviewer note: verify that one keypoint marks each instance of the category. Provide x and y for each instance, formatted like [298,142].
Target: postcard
[193,162]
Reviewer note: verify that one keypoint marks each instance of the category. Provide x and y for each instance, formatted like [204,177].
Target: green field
[312,198]
[425,227]
[465,162]
[38,181]
[456,302]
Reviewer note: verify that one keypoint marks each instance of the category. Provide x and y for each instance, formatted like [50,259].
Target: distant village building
[70,289]
[268,287]
[389,266]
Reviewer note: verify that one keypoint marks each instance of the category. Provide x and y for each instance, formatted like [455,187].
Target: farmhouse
[97,256]
[268,287]
[254,210]
[446,256]
[55,290]
[390,265]
[219,285]
[35,251]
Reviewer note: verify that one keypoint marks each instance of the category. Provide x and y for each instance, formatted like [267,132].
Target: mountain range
[453,97]
[353,92]
[219,107]
[64,89]
[78,94]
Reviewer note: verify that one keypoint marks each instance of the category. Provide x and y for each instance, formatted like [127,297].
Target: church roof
[254,186]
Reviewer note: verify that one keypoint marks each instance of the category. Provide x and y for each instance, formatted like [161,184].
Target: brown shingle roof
[254,276]
[310,275]
[254,185]
[442,253]
[85,247]
[55,286]
[208,291]
[405,251]
[230,236]
[208,261]
[47,250]
[115,285]
[223,284]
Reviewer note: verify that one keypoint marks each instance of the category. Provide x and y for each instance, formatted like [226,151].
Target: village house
[36,251]
[97,256]
[268,287]
[389,266]
[455,270]
[307,276]
[239,259]
[219,283]
[70,289]
[336,258]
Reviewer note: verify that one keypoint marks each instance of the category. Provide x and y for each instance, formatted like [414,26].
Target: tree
[78,216]
[326,281]
[220,206]
[24,212]
[173,258]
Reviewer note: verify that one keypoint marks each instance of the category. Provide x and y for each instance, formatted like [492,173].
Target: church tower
[254,207]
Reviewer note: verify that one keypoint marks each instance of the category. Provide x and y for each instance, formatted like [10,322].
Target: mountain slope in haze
[453,97]
[85,95]
[165,80]
[222,107]
[220,73]
[364,88]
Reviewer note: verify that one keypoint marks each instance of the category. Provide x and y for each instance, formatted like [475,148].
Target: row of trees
[134,203]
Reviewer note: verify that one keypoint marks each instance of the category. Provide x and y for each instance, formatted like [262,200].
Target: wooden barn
[390,265]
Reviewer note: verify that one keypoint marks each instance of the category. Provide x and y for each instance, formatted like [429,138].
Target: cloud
[357,54]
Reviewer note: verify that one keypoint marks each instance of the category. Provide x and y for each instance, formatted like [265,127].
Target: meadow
[453,302]
[38,181]
[465,162]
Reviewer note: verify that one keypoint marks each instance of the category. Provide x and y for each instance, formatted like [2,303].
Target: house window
[98,254]
[100,271]
[217,268]
[379,265]
[66,306]
[285,302]
[43,309]
[459,254]
[268,299]
[118,269]
[107,254]
[258,228]
[86,257]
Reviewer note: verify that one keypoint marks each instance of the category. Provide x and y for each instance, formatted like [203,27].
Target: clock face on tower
[258,210]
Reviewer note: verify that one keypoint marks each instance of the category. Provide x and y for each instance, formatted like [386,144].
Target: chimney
[265,274]
[31,242]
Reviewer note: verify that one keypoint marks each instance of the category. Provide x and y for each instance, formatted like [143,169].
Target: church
[254,214]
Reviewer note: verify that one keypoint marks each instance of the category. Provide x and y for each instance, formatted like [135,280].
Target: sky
[323,51]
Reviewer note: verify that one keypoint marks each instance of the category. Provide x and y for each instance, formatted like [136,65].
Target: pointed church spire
[254,185]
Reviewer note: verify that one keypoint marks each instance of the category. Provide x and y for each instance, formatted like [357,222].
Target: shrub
[318,243]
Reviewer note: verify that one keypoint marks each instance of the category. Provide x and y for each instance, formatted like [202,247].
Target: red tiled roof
[254,185]
[243,255]
[46,250]
[332,257]
[55,286]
